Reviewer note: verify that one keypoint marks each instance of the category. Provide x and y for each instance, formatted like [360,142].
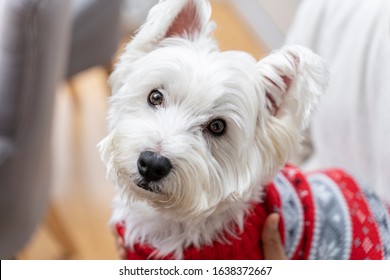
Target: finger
[272,242]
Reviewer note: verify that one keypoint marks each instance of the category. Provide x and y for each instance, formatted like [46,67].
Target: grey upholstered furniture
[42,42]
[95,33]
[33,49]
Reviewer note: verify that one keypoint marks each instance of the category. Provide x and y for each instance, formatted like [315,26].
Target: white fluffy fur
[214,180]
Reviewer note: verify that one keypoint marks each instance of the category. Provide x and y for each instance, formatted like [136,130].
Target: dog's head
[193,128]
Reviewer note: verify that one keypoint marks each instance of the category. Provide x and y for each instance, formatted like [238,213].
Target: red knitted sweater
[324,215]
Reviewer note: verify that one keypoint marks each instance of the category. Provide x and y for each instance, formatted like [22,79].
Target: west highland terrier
[198,145]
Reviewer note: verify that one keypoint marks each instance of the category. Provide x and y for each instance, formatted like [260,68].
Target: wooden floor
[81,196]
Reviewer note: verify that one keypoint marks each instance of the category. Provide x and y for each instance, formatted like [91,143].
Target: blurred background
[57,55]
[55,58]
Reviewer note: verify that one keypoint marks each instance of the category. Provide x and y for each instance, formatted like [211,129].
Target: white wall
[269,19]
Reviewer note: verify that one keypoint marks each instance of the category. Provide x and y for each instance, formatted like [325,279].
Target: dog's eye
[155,98]
[217,127]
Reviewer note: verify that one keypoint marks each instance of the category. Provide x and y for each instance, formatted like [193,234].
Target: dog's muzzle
[153,167]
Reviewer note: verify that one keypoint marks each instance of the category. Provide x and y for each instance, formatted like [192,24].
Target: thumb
[272,243]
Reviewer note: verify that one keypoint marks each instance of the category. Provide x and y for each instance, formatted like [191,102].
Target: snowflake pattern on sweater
[324,215]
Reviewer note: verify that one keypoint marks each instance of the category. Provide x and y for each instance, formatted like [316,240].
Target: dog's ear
[291,81]
[188,19]
[294,78]
[174,18]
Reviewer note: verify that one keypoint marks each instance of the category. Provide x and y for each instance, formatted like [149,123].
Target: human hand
[272,243]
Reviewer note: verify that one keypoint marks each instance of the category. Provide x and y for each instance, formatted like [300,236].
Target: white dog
[198,139]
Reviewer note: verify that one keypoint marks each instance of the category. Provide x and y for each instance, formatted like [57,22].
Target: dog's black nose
[152,166]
